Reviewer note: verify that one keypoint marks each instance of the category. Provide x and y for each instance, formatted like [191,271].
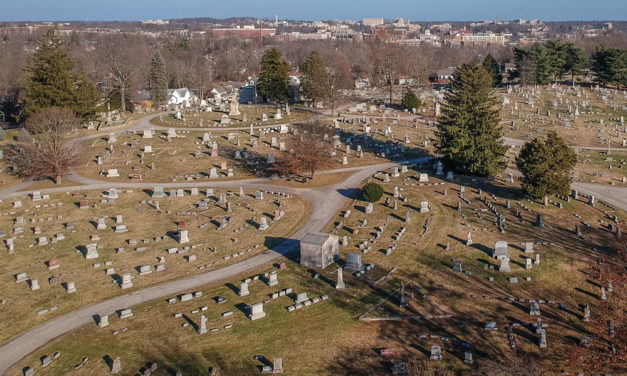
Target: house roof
[445,72]
[182,92]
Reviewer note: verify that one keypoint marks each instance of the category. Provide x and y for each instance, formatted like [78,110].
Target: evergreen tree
[410,100]
[556,56]
[158,81]
[575,61]
[315,77]
[610,65]
[468,131]
[490,65]
[52,81]
[273,83]
[533,65]
[525,68]
[546,166]
[540,58]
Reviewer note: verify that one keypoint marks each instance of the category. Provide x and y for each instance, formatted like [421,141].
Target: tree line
[548,62]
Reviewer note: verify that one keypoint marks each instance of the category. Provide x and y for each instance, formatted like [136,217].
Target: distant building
[156,22]
[444,74]
[247,32]
[181,96]
[480,38]
[372,22]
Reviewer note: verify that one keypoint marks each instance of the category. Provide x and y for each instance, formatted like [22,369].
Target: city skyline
[445,10]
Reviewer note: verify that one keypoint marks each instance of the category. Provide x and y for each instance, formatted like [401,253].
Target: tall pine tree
[315,77]
[575,61]
[468,131]
[273,83]
[158,81]
[490,65]
[53,82]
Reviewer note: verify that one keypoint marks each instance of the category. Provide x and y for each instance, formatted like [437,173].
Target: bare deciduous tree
[51,152]
[310,150]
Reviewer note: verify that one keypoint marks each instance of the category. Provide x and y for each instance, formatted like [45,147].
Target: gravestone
[263,224]
[504,267]
[424,207]
[273,279]
[127,281]
[277,365]
[158,192]
[91,251]
[542,340]
[353,262]
[534,308]
[436,353]
[500,250]
[70,287]
[539,221]
[424,178]
[468,358]
[103,321]
[126,313]
[116,366]
[183,238]
[340,285]
[528,263]
[301,297]
[457,265]
[528,247]
[256,311]
[369,208]
[469,238]
[243,289]
[202,328]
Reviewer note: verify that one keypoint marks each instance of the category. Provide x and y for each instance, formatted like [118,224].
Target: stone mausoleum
[318,250]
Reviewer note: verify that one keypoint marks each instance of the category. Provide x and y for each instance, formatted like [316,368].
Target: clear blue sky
[416,10]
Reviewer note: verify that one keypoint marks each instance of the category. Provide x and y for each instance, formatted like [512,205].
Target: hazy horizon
[417,11]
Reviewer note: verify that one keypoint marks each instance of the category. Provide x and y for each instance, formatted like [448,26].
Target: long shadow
[243,307]
[286,247]
[191,322]
[232,287]
[595,296]
[482,248]
[348,192]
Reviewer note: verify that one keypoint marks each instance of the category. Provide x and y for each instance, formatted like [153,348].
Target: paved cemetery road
[325,202]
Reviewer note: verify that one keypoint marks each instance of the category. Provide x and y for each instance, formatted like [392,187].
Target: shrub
[372,192]
[410,100]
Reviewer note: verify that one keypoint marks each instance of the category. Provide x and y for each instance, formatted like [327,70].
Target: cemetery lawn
[321,180]
[328,339]
[187,158]
[594,165]
[211,120]
[154,231]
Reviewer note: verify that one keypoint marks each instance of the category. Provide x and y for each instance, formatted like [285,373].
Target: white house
[181,96]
